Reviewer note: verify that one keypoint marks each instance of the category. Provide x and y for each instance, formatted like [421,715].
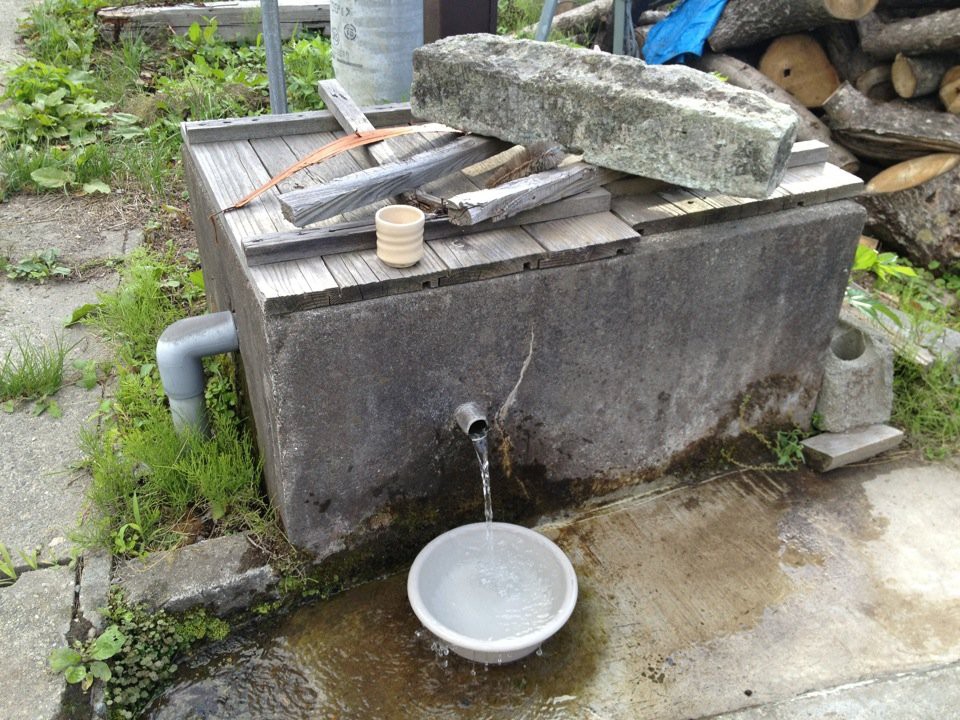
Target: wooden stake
[799,65]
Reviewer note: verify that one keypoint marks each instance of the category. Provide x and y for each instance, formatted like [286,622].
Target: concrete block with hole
[857,388]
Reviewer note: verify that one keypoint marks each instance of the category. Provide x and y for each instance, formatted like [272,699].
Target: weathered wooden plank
[222,164]
[651,213]
[812,184]
[425,274]
[276,155]
[524,193]
[582,239]
[235,19]
[352,191]
[486,255]
[808,152]
[361,234]
[260,126]
[354,275]
[685,200]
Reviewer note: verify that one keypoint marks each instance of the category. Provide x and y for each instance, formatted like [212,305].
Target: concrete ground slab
[906,696]
[745,591]
[35,616]
[39,489]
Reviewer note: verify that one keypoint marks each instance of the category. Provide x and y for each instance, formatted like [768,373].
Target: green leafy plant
[85,662]
[784,445]
[8,571]
[862,300]
[147,657]
[40,266]
[884,265]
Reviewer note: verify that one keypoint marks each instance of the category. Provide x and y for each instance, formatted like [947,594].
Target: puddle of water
[363,655]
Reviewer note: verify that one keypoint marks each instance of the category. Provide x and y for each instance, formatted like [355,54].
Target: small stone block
[829,451]
[224,575]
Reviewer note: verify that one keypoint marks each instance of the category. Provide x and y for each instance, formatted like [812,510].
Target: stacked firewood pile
[877,80]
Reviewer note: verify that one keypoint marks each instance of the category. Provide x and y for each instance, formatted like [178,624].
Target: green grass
[82,111]
[151,487]
[927,406]
[32,369]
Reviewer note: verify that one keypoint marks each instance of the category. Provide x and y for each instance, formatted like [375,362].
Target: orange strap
[347,142]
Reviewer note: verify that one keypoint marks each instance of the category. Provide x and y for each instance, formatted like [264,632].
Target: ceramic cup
[399,235]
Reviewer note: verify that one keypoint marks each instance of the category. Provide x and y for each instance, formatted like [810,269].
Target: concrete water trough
[607,336]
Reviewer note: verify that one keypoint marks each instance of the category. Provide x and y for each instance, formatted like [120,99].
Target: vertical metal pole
[276,78]
[619,19]
[546,20]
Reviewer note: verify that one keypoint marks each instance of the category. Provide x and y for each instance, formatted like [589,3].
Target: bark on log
[921,5]
[581,19]
[916,75]
[799,65]
[876,84]
[915,207]
[950,90]
[811,127]
[843,48]
[745,22]
[937,32]
[886,131]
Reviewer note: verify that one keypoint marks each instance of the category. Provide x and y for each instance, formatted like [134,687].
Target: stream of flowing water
[480,445]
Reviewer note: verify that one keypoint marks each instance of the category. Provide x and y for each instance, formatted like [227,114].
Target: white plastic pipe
[180,352]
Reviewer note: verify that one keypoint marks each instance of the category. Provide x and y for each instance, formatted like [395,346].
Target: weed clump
[152,487]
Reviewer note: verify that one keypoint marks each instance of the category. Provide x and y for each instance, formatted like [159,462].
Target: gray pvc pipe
[180,352]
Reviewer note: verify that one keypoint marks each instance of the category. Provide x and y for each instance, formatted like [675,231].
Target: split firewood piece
[798,64]
[934,33]
[916,75]
[950,90]
[331,149]
[913,206]
[745,22]
[515,196]
[889,131]
[748,77]
[302,207]
[534,158]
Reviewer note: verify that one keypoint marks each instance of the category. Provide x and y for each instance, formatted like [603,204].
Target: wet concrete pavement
[750,594]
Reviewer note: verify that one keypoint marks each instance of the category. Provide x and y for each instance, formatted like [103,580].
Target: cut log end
[911,173]
[798,64]
[850,9]
[903,78]
[950,90]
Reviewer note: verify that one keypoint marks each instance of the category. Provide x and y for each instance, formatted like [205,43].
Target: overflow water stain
[363,655]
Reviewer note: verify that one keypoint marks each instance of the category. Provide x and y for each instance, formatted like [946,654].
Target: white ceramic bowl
[451,593]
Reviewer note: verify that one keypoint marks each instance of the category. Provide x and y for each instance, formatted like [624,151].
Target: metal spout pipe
[472,419]
[180,352]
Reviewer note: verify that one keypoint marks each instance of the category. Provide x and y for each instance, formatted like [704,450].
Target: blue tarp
[683,32]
